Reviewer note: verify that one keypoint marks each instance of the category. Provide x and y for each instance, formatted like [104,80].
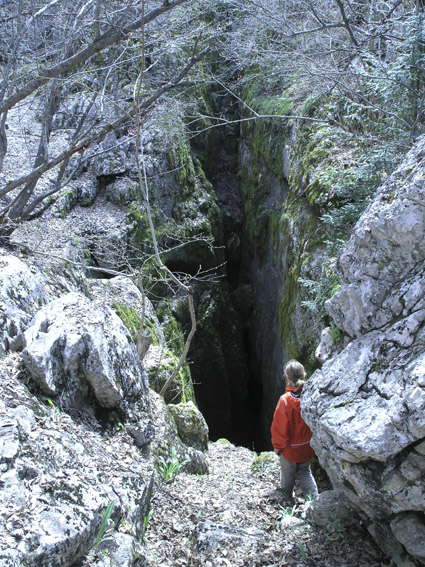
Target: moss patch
[129,317]
[293,229]
[181,390]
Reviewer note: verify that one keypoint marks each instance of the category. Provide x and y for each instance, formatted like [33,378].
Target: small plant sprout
[171,466]
[105,525]
[303,553]
[146,522]
[262,462]
[338,533]
[336,335]
[49,402]
[287,511]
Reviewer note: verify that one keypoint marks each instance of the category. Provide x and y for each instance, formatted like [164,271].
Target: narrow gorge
[257,171]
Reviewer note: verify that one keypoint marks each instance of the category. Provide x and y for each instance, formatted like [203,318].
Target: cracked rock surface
[366,405]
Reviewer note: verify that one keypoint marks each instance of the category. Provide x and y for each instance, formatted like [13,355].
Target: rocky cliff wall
[80,430]
[366,405]
[281,245]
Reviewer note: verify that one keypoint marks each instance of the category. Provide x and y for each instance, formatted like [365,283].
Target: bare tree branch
[347,23]
[109,38]
[101,133]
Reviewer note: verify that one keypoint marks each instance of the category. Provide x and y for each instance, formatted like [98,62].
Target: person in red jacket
[291,436]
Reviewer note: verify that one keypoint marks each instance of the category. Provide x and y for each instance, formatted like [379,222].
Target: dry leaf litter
[232,517]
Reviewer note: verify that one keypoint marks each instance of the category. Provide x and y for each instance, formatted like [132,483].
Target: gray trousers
[290,471]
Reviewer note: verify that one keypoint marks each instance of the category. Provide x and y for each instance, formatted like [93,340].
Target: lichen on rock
[366,404]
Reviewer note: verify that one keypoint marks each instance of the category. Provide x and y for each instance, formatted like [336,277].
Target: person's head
[295,374]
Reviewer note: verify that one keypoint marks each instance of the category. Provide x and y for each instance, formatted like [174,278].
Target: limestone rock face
[113,160]
[73,349]
[24,290]
[21,295]
[381,264]
[58,477]
[366,406]
[122,191]
[280,248]
[92,432]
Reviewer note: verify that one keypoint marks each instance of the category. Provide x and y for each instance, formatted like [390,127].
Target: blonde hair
[295,373]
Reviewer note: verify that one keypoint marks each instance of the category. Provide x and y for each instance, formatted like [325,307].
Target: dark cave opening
[227,387]
[227,383]
[235,418]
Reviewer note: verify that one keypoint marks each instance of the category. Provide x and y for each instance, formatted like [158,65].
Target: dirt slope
[232,517]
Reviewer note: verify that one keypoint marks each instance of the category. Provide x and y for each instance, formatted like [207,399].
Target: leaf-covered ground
[232,517]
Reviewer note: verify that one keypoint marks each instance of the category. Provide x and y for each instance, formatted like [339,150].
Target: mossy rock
[160,363]
[184,207]
[191,425]
[282,214]
[66,202]
[130,317]
[167,438]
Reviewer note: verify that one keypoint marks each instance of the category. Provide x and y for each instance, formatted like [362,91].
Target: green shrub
[171,466]
[320,291]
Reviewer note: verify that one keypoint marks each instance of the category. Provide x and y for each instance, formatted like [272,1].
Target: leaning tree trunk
[12,214]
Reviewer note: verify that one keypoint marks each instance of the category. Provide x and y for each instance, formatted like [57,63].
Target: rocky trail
[232,517]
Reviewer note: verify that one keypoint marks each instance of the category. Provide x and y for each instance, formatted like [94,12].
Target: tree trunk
[52,101]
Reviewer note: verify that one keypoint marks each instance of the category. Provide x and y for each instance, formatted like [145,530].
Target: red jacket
[290,434]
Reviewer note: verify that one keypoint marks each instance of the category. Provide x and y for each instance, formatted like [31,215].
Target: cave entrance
[227,384]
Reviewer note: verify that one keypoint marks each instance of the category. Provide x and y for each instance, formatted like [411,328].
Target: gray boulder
[87,189]
[75,106]
[331,508]
[58,477]
[66,202]
[80,352]
[167,440]
[191,425]
[411,534]
[122,191]
[366,406]
[108,247]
